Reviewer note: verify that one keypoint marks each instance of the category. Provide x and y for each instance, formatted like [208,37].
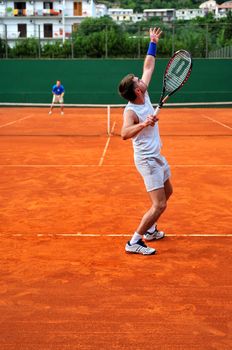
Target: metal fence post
[39,43]
[173,38]
[139,42]
[72,48]
[206,40]
[106,42]
[6,42]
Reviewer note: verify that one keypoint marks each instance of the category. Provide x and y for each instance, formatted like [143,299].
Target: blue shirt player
[58,96]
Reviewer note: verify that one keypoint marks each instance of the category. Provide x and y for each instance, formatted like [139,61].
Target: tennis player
[141,125]
[58,96]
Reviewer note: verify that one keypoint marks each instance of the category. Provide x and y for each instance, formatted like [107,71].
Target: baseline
[79,234]
[108,165]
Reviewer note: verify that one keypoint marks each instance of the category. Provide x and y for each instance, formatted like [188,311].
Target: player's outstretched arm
[149,63]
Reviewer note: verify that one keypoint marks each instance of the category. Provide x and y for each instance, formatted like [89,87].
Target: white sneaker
[139,248]
[62,113]
[154,236]
[50,112]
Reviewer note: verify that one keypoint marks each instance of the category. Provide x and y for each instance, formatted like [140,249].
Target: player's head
[58,83]
[131,87]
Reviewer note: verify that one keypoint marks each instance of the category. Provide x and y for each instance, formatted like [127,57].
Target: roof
[158,10]
[226,5]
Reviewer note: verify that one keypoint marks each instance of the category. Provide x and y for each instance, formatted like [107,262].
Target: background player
[141,125]
[58,96]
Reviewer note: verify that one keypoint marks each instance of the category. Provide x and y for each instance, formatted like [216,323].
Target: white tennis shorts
[57,99]
[154,171]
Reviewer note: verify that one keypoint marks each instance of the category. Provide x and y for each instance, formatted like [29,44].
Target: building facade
[188,14]
[120,15]
[101,10]
[166,15]
[57,19]
[223,9]
[46,20]
[218,11]
[208,6]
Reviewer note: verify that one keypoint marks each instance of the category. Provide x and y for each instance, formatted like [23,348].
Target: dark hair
[126,88]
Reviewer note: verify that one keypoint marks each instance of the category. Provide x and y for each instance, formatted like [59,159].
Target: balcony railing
[30,13]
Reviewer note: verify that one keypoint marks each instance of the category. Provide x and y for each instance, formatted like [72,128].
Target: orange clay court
[71,198]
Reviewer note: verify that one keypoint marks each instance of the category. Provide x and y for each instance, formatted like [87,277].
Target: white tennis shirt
[147,142]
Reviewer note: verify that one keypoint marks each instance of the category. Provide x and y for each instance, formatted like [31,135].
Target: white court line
[129,235]
[15,121]
[106,146]
[109,165]
[79,234]
[217,122]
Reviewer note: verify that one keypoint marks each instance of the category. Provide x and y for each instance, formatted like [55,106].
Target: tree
[56,49]
[228,28]
[99,37]
[2,48]
[27,47]
[90,25]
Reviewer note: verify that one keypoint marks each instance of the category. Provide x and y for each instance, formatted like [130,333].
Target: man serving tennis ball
[141,125]
[58,96]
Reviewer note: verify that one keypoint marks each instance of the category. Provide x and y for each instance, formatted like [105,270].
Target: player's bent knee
[159,207]
[170,192]
[162,206]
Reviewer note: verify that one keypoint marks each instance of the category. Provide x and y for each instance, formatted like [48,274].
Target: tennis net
[183,119]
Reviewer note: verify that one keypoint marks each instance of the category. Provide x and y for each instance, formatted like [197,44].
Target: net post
[108,119]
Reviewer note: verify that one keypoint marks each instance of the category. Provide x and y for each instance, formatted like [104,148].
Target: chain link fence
[224,52]
[49,40]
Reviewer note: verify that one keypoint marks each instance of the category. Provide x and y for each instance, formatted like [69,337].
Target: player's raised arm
[149,63]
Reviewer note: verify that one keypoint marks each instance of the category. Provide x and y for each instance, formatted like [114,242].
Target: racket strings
[177,71]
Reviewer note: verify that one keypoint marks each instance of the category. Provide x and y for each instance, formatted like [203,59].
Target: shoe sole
[153,239]
[140,253]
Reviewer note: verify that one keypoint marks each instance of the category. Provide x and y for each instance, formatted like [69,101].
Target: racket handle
[157,110]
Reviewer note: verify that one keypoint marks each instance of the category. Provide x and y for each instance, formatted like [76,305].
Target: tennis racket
[176,74]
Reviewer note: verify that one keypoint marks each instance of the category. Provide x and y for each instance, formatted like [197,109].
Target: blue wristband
[152,49]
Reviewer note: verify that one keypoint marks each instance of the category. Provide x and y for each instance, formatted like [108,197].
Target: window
[22,29]
[47,30]
[19,5]
[48,6]
[19,9]
[77,8]
[75,27]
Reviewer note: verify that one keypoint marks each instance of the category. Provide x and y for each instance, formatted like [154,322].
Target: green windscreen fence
[96,81]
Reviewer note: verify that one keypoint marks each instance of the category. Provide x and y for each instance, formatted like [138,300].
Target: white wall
[187,14]
[69,8]
[101,10]
[88,8]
